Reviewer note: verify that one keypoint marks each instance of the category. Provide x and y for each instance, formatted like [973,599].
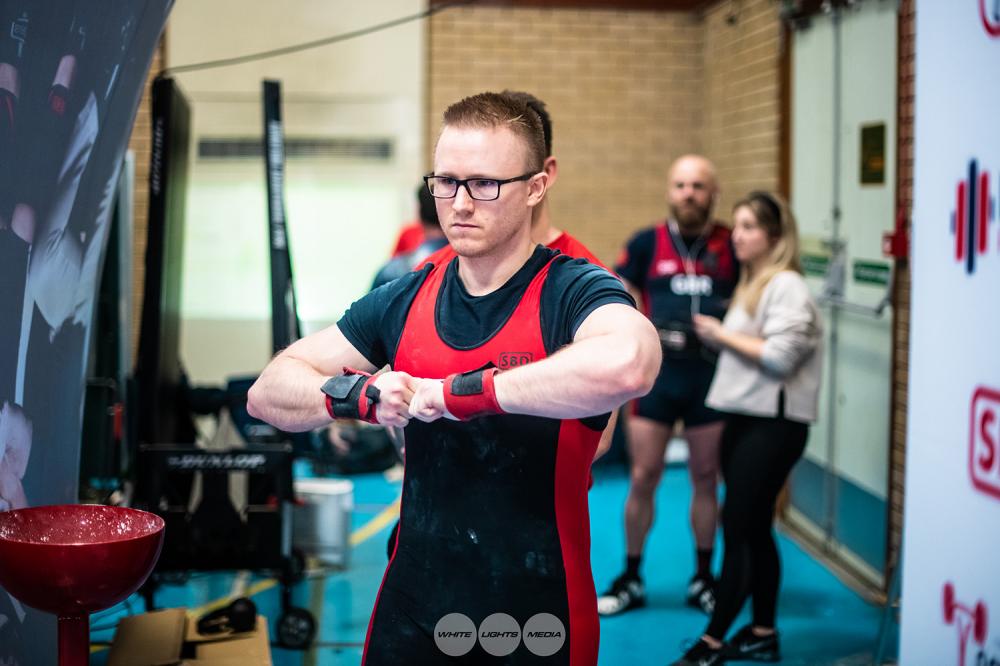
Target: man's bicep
[610,318]
[328,351]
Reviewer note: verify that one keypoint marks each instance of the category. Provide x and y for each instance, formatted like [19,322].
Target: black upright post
[161,412]
[285,327]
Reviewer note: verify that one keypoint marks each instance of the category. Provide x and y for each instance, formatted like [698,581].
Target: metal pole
[830,477]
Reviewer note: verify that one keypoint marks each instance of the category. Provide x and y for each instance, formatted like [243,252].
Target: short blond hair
[495,110]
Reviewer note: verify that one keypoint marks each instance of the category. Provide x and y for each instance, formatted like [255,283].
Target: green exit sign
[815,264]
[871,272]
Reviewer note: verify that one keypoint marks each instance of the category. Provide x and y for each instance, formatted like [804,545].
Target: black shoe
[748,646]
[625,594]
[701,593]
[700,654]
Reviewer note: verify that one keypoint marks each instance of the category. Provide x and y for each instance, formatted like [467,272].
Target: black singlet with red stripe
[494,514]
[654,261]
[676,276]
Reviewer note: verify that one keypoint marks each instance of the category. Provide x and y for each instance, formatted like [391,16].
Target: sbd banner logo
[984,440]
[970,221]
[967,620]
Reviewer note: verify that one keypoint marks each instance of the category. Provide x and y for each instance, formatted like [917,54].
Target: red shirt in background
[565,243]
[573,248]
[410,237]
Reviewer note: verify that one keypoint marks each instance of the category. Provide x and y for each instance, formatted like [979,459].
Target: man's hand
[335,435]
[428,401]
[396,390]
[11,491]
[15,439]
[15,447]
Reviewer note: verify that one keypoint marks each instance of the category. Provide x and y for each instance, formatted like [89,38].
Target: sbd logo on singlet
[510,360]
[666,267]
[984,441]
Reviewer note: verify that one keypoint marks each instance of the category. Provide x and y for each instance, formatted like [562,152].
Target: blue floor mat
[822,621]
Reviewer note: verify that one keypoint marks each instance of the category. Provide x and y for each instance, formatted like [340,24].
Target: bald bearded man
[684,265]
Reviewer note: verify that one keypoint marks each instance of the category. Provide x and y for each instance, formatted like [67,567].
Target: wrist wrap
[352,395]
[471,394]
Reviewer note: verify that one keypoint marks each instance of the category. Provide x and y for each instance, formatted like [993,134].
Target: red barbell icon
[977,614]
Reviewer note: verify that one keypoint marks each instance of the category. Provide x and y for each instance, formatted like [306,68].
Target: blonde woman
[766,383]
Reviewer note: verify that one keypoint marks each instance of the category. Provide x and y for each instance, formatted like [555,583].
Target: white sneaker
[624,594]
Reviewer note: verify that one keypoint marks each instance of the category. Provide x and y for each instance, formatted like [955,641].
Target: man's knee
[645,478]
[704,478]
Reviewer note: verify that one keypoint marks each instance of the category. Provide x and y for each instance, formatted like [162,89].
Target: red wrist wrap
[368,400]
[360,401]
[472,394]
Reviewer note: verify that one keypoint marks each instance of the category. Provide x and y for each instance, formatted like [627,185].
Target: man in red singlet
[493,377]
[542,230]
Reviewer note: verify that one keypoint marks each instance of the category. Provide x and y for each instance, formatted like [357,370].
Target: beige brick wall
[901,295]
[628,91]
[623,89]
[742,97]
[141,144]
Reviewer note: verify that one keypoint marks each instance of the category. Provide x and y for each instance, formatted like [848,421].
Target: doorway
[843,145]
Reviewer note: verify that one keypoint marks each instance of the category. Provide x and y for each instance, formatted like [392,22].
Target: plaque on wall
[873,154]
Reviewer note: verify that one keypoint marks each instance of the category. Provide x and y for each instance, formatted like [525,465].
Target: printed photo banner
[951,580]
[71,76]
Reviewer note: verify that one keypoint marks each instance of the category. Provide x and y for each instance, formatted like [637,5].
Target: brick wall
[140,143]
[623,89]
[742,97]
[628,91]
[901,296]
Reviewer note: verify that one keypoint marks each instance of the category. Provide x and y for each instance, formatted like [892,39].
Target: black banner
[285,327]
[71,76]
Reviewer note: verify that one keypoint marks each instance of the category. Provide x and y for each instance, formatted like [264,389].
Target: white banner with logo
[951,550]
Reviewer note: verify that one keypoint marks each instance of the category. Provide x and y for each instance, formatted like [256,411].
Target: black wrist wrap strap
[359,401]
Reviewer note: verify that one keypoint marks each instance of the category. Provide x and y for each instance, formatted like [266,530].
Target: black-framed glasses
[480,189]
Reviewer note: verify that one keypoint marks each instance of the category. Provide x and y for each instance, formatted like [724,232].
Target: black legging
[757,455]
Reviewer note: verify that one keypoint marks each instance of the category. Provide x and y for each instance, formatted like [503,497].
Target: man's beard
[692,216]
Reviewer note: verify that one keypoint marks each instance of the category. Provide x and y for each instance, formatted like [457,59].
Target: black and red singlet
[671,270]
[494,514]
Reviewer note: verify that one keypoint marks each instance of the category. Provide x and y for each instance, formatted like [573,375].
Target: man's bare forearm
[588,377]
[287,395]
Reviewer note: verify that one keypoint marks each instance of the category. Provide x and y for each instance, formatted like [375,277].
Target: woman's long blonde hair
[774,216]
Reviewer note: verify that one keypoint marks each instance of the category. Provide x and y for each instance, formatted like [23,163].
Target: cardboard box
[170,638]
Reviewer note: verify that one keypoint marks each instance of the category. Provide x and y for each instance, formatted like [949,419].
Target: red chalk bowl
[74,559]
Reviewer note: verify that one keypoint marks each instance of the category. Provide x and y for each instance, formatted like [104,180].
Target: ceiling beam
[649,5]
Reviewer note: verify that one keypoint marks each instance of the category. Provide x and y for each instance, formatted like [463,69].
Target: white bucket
[322,523]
